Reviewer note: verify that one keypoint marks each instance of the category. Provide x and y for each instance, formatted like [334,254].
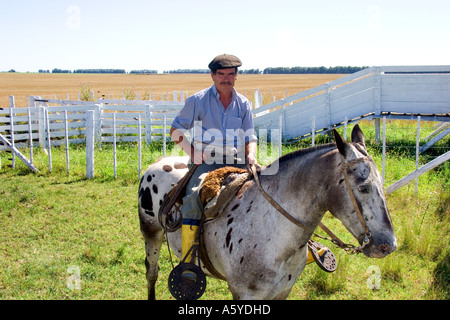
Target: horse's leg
[152,249]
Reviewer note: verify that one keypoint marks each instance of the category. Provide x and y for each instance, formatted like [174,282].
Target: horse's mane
[302,153]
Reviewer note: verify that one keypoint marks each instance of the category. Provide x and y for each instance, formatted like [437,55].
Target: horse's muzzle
[380,248]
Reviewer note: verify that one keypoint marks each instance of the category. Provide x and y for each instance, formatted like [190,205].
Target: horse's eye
[365,188]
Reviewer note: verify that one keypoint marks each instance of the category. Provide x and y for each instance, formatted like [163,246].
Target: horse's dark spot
[253,287]
[160,202]
[228,238]
[146,202]
[240,240]
[289,277]
[155,189]
[180,165]
[229,221]
[340,181]
[240,261]
[255,245]
[142,179]
[153,175]
[248,209]
[231,247]
[149,178]
[235,207]
[167,168]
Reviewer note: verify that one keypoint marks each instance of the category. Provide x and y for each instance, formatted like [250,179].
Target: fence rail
[395,92]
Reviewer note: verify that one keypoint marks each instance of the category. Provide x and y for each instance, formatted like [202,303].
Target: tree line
[56,70]
[313,70]
[271,70]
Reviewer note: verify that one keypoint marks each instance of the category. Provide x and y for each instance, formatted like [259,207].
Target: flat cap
[224,61]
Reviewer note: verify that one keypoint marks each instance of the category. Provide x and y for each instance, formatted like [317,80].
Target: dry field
[21,85]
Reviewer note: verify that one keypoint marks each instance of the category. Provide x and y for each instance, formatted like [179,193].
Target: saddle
[219,187]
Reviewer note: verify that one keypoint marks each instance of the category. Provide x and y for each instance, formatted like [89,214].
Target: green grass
[52,221]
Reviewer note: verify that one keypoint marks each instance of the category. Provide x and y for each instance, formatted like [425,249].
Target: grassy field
[59,227]
[21,85]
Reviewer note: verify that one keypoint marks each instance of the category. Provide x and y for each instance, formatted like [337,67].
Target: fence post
[164,135]
[377,102]
[66,134]
[49,145]
[139,144]
[114,145]
[30,134]
[11,128]
[90,128]
[328,103]
[148,124]
[417,152]
[258,99]
[384,149]
[313,131]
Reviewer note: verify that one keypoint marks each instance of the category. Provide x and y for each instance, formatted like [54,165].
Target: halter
[349,248]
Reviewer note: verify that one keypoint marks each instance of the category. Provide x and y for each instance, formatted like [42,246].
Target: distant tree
[250,71]
[144,71]
[188,71]
[12,70]
[56,70]
[99,71]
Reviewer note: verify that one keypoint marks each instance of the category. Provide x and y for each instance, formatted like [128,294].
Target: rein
[349,248]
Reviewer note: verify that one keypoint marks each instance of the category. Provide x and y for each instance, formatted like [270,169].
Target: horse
[254,248]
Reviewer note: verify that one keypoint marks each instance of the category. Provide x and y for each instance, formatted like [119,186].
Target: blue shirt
[212,123]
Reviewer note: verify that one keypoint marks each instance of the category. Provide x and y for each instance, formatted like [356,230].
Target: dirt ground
[156,86]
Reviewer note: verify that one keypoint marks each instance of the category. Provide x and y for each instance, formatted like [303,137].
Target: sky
[174,34]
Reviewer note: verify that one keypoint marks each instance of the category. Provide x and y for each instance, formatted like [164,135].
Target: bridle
[345,165]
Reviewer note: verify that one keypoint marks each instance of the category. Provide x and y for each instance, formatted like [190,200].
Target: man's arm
[250,152]
[183,142]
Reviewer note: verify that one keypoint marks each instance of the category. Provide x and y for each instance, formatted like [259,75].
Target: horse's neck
[302,182]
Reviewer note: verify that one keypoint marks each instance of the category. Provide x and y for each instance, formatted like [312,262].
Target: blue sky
[167,35]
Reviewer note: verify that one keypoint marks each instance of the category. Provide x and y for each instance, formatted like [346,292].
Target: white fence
[377,92]
[395,92]
[68,119]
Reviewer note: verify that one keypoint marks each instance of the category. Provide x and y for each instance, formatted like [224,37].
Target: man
[223,135]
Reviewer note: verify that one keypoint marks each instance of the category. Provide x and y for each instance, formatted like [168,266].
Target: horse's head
[361,205]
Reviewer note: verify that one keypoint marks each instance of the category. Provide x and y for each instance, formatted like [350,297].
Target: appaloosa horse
[256,249]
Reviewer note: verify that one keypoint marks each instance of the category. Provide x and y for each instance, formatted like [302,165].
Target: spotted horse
[255,249]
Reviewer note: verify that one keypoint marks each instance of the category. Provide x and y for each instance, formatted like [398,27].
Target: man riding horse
[223,136]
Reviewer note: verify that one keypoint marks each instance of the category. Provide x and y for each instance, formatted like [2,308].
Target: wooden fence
[37,124]
[395,92]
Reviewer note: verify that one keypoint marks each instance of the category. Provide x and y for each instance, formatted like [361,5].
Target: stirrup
[183,287]
[327,261]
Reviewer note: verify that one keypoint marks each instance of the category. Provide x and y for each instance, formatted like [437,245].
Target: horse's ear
[340,143]
[358,136]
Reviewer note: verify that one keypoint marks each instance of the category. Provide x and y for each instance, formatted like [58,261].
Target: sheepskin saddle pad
[219,187]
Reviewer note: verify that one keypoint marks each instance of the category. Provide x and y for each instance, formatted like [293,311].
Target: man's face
[224,79]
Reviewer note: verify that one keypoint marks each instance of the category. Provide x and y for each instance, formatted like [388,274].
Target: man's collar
[217,94]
